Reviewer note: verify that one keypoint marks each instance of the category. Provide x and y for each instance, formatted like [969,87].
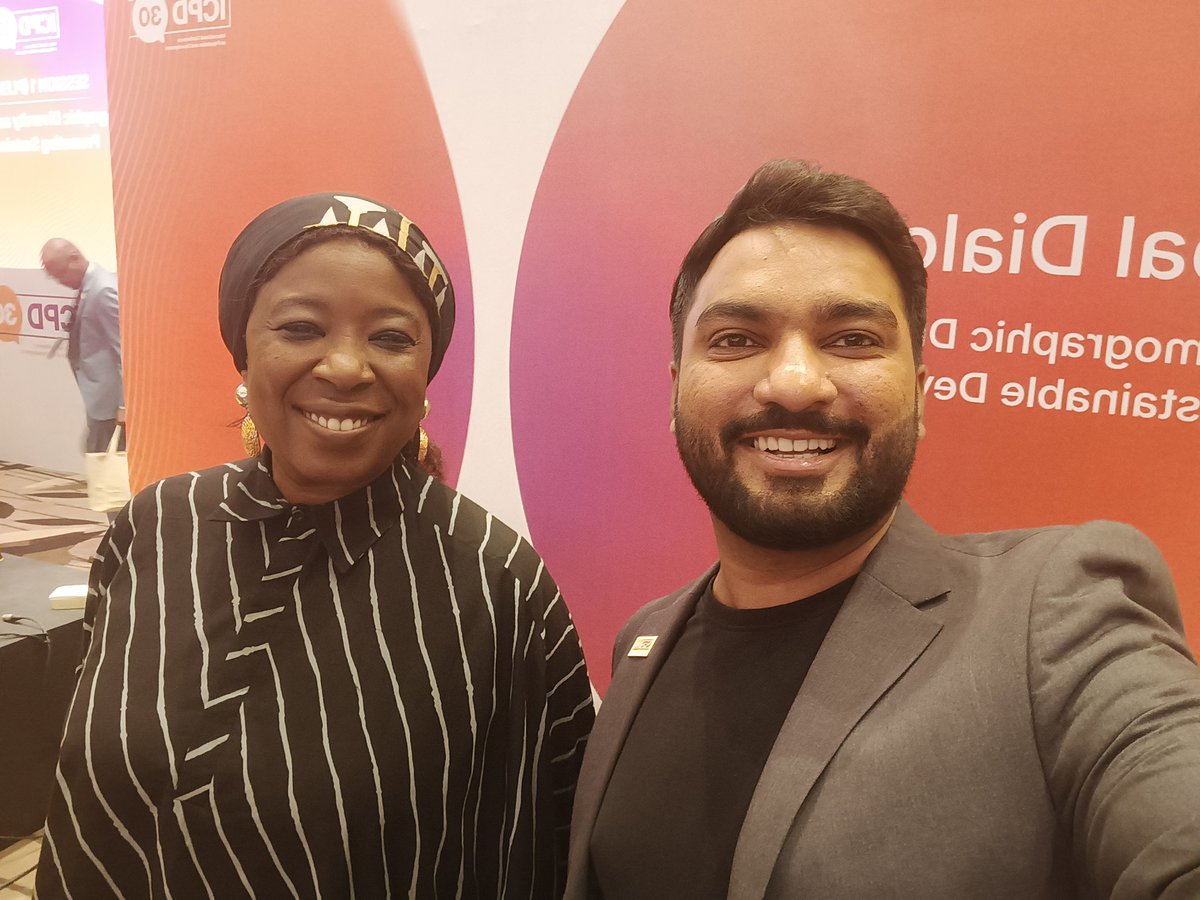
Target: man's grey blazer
[1010,715]
[99,333]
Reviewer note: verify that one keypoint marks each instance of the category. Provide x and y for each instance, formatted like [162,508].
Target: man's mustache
[776,418]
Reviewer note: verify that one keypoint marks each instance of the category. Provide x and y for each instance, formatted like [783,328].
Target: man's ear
[674,393]
[922,374]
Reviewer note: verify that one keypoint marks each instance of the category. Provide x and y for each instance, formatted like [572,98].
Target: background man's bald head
[64,263]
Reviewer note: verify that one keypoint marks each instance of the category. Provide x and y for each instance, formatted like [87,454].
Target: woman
[321,672]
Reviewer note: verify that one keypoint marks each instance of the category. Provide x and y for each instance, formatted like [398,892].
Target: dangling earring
[249,432]
[423,446]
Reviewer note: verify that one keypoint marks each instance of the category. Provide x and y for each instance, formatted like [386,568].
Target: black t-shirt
[670,818]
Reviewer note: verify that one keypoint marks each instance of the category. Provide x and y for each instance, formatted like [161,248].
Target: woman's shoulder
[197,492]
[471,529]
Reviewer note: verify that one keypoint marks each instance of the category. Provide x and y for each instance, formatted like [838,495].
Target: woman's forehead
[343,274]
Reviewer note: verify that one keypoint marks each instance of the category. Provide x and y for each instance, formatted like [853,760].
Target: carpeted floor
[44,515]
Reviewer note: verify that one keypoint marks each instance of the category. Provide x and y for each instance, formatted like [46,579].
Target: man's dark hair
[786,190]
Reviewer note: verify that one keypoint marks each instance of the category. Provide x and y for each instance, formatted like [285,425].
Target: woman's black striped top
[379,696]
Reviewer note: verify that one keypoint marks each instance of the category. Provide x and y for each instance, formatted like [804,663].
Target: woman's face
[337,362]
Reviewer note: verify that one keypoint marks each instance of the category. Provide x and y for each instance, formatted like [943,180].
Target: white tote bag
[108,476]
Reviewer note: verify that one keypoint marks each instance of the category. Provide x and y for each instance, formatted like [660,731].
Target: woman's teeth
[336,424]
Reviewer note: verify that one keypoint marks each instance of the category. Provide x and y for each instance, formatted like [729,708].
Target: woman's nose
[345,366]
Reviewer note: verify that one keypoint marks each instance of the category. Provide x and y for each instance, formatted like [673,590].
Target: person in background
[319,671]
[848,704]
[94,342]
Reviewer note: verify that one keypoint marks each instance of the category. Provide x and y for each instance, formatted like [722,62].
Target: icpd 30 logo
[181,23]
[34,30]
[11,318]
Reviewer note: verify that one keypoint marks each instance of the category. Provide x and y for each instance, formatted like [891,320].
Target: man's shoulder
[1022,543]
[1048,565]
[910,534]
[99,279]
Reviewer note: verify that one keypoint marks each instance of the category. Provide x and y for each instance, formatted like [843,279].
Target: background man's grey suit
[98,367]
[1007,715]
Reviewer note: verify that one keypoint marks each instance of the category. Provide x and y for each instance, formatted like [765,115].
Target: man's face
[797,400]
[66,266]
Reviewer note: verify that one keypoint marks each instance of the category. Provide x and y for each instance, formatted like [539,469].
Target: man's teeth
[787,445]
[336,424]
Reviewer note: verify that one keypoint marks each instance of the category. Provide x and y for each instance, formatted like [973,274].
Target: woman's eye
[394,340]
[297,331]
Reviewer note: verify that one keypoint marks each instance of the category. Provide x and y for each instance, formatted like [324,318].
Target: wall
[55,181]
[562,156]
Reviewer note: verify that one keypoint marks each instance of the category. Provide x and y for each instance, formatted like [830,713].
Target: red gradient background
[304,97]
[983,111]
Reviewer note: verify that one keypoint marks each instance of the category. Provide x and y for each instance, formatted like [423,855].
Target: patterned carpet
[44,515]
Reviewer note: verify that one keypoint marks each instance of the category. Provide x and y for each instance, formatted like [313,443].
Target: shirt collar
[347,527]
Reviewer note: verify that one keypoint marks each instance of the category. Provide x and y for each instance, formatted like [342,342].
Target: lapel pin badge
[642,644]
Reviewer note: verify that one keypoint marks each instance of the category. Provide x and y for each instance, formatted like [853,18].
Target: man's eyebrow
[840,307]
[731,309]
[832,307]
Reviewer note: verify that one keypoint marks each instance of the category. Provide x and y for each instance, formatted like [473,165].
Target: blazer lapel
[620,706]
[875,638]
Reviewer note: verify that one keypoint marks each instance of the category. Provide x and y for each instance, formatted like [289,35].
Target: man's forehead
[796,261]
[763,244]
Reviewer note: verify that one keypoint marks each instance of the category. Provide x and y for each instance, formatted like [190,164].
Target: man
[94,346]
[849,705]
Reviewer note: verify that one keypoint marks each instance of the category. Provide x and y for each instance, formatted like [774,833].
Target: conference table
[37,678]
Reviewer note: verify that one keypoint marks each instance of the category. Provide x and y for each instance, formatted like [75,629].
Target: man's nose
[345,365]
[797,377]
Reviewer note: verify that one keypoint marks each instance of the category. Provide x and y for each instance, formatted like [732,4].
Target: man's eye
[732,341]
[856,340]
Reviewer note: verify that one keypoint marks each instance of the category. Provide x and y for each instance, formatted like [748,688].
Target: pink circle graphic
[1002,116]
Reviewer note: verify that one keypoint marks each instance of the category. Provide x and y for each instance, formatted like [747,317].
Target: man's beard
[797,512]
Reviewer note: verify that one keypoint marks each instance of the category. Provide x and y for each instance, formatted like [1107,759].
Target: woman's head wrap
[284,221]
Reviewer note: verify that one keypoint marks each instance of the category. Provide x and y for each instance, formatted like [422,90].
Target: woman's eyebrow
[299,301]
[319,304]
[395,312]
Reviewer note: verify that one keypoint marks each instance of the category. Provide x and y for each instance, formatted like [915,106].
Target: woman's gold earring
[423,446]
[250,439]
